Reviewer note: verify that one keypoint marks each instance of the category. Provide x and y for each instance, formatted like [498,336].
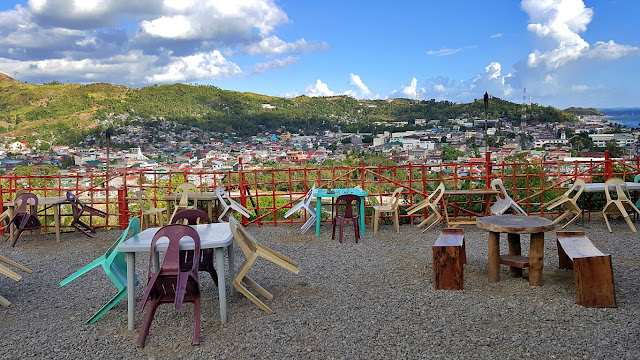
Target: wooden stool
[449,256]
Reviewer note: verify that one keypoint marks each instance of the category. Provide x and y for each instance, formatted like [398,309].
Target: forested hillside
[66,111]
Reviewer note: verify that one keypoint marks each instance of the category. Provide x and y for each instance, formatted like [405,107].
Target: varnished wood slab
[515,224]
[514,260]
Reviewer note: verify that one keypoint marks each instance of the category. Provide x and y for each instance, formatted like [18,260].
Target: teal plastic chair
[637,180]
[114,266]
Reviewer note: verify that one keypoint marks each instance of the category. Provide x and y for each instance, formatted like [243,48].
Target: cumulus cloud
[498,35]
[562,21]
[361,90]
[171,36]
[318,89]
[275,64]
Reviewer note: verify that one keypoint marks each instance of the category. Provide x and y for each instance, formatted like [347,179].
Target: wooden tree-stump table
[514,226]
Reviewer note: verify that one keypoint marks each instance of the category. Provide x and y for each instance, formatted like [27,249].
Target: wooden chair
[171,284]
[504,202]
[229,204]
[185,188]
[569,201]
[148,210]
[114,266]
[351,205]
[252,251]
[620,205]
[11,274]
[195,217]
[79,209]
[392,207]
[302,206]
[431,204]
[25,216]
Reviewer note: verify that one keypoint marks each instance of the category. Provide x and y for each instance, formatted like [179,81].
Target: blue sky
[565,52]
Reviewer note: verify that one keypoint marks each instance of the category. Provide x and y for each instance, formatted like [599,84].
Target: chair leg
[630,223]
[196,320]
[252,297]
[95,263]
[356,228]
[4,302]
[341,229]
[257,287]
[111,303]
[148,318]
[396,221]
[570,221]
[606,219]
[333,232]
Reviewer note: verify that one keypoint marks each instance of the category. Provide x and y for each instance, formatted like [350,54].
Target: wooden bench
[449,256]
[591,269]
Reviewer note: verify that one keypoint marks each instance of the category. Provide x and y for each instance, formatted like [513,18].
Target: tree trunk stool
[592,269]
[449,256]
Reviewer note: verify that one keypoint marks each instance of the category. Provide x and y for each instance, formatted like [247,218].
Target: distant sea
[627,117]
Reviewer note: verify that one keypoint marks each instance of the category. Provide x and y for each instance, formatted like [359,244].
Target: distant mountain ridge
[70,111]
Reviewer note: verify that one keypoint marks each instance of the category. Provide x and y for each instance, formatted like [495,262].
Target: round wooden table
[513,226]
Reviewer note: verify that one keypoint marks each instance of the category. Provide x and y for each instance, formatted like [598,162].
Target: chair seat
[383,208]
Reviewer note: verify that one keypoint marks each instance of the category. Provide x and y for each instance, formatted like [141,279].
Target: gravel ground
[371,300]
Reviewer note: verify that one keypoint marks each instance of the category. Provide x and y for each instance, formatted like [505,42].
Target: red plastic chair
[171,284]
[79,208]
[195,217]
[347,202]
[25,216]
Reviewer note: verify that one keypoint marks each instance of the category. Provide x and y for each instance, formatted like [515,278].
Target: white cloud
[562,21]
[448,51]
[203,66]
[439,88]
[410,90]
[362,91]
[318,89]
[493,70]
[580,88]
[275,64]
[272,45]
[498,35]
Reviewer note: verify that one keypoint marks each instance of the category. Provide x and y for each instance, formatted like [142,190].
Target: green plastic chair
[637,180]
[114,266]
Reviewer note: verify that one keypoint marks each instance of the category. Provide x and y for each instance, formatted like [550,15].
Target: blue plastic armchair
[114,266]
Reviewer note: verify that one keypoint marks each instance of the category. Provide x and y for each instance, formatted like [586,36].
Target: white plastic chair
[305,205]
[229,204]
[505,202]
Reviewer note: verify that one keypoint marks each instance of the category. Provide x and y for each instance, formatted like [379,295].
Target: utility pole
[486,120]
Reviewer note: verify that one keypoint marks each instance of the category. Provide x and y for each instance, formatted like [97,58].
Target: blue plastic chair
[114,266]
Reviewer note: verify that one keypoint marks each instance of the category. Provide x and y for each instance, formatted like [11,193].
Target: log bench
[592,270]
[449,256]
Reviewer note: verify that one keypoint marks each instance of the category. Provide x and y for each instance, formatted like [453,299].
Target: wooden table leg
[56,220]
[494,257]
[514,249]
[536,259]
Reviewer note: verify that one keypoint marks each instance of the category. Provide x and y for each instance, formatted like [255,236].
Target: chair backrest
[497,183]
[132,230]
[395,198]
[309,197]
[577,187]
[175,233]
[191,217]
[348,201]
[636,179]
[145,202]
[185,188]
[242,238]
[76,205]
[21,191]
[436,195]
[618,183]
[26,203]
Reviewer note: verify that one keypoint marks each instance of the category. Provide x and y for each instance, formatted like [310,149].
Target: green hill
[67,111]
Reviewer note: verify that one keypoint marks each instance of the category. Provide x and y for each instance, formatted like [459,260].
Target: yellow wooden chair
[618,206]
[11,274]
[148,210]
[392,206]
[431,203]
[185,188]
[569,201]
[252,251]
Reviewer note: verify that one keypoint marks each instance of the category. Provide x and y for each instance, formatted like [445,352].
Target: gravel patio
[372,300]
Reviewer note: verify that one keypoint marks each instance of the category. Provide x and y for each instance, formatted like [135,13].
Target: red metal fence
[271,192]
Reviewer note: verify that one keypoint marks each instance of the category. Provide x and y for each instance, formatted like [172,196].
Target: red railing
[271,192]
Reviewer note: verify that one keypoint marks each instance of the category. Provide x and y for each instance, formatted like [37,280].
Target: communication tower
[523,121]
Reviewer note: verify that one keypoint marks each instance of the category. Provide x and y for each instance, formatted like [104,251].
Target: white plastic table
[212,236]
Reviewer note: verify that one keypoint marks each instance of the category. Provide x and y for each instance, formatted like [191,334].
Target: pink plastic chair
[171,284]
[79,209]
[25,216]
[195,217]
[348,202]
